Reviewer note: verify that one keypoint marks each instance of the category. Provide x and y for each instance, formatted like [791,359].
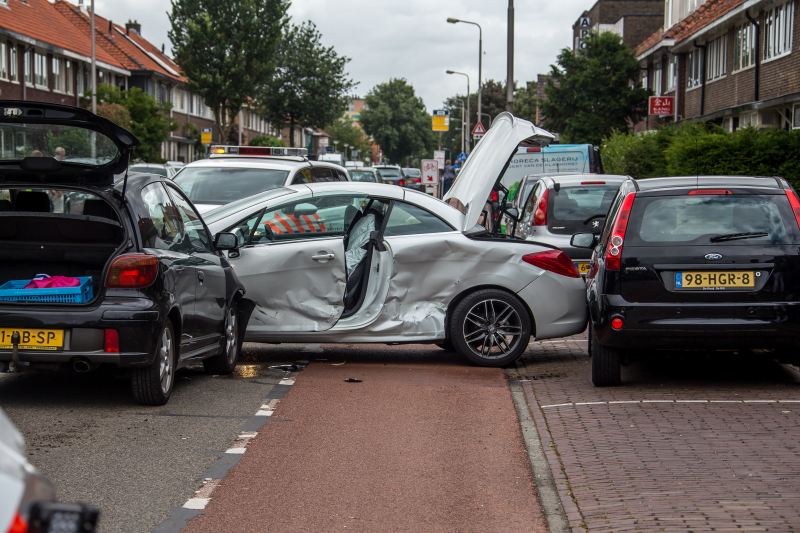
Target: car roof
[577,179]
[672,182]
[244,162]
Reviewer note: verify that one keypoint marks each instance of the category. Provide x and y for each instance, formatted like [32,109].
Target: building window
[657,81]
[716,63]
[667,14]
[748,120]
[3,61]
[29,67]
[796,117]
[778,25]
[645,79]
[68,75]
[693,74]
[672,73]
[744,51]
[59,75]
[40,74]
[13,62]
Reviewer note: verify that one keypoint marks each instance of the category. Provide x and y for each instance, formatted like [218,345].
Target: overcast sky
[411,38]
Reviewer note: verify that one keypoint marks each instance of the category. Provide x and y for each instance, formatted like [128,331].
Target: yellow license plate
[32,339]
[713,280]
[583,268]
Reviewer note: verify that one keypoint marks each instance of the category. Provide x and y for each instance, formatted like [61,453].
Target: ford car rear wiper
[737,236]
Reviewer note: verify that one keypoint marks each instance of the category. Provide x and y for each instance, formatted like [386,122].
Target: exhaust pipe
[81,366]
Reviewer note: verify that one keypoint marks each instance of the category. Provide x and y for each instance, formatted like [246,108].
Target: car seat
[32,201]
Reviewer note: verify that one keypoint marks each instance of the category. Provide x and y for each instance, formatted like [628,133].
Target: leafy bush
[266,140]
[704,149]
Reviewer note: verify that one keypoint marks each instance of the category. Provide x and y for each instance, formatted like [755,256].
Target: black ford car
[709,262]
[101,267]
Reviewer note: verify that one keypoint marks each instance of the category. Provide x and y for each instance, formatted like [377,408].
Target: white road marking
[238,451]
[287,381]
[666,401]
[264,413]
[197,503]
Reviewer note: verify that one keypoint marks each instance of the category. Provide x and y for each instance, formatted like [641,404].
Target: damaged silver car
[372,263]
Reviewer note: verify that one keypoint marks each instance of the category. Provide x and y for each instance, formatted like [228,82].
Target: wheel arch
[460,296]
[174,316]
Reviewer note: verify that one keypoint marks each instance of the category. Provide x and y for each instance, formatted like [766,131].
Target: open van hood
[487,164]
[95,148]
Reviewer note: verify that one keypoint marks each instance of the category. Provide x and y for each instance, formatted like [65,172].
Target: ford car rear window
[702,220]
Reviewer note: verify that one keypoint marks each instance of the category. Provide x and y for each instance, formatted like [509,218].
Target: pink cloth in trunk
[53,282]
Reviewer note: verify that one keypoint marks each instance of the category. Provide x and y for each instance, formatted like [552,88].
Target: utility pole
[510,53]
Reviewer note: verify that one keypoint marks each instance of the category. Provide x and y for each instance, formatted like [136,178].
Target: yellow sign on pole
[441,120]
[205,136]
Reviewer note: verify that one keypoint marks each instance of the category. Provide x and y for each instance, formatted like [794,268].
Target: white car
[375,263]
[236,172]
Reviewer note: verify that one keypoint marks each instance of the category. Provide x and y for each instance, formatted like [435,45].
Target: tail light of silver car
[614,251]
[540,215]
[134,271]
[554,261]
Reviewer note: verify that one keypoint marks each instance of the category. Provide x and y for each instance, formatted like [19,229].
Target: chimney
[82,7]
[162,49]
[110,27]
[135,26]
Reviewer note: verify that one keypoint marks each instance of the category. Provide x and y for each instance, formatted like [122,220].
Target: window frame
[401,203]
[40,71]
[744,47]
[4,70]
[13,62]
[778,29]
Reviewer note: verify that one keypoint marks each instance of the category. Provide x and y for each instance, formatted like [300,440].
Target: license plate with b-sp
[32,339]
[714,280]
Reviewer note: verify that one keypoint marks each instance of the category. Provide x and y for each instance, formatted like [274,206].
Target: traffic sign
[205,136]
[441,120]
[439,156]
[477,137]
[462,158]
[430,171]
[478,129]
[662,105]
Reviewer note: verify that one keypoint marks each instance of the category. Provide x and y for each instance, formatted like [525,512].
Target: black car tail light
[593,183]
[540,215]
[795,203]
[707,192]
[614,250]
[111,341]
[132,272]
[617,323]
[402,183]
[554,261]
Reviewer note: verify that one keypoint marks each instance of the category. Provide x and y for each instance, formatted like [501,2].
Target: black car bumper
[138,322]
[699,326]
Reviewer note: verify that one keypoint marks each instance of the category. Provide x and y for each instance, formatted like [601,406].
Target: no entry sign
[662,105]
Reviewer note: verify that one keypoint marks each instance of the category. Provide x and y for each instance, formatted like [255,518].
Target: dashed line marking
[615,402]
[287,381]
[197,503]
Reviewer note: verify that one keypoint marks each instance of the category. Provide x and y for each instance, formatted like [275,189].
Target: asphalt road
[135,463]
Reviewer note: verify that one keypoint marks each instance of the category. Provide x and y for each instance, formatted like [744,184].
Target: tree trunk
[222,125]
[291,131]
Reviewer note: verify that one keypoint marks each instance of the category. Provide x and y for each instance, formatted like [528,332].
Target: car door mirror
[513,212]
[225,241]
[305,209]
[583,240]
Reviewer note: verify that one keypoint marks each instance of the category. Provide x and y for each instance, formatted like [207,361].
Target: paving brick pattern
[694,443]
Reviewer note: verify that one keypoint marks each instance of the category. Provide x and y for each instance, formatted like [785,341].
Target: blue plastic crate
[12,291]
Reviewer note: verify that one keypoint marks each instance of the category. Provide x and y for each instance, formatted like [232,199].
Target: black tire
[153,385]
[225,363]
[446,345]
[606,362]
[490,328]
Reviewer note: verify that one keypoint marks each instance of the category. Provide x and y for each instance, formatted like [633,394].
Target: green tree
[346,132]
[149,120]
[396,118]
[525,102]
[589,94]
[310,86]
[266,140]
[226,49]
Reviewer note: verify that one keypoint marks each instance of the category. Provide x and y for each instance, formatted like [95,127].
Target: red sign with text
[662,105]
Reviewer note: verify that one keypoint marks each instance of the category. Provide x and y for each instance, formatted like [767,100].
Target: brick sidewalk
[687,443]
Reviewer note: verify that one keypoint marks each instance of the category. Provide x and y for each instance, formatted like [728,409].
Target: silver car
[373,263]
[554,207]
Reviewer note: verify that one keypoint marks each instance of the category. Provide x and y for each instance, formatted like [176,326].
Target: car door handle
[201,276]
[180,269]
[322,257]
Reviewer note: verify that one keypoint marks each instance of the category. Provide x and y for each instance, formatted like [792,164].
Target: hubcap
[167,361]
[230,336]
[492,329]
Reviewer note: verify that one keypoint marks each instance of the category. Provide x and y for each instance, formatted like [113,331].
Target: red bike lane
[428,445]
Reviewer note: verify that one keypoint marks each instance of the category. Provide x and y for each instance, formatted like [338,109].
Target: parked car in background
[368,175]
[700,263]
[336,158]
[414,179]
[553,208]
[165,170]
[153,291]
[391,175]
[28,498]
[362,262]
[236,172]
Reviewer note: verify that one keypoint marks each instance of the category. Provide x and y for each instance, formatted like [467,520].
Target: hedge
[704,149]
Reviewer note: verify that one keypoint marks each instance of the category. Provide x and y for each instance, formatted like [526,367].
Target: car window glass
[163,227]
[575,209]
[308,218]
[302,176]
[323,175]
[362,175]
[243,229]
[342,175]
[222,185]
[407,219]
[144,169]
[390,172]
[192,223]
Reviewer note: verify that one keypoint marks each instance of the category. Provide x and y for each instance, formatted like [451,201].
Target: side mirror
[583,240]
[225,241]
[305,209]
[513,212]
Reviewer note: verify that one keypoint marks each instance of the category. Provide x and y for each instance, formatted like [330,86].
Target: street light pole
[510,54]
[467,75]
[480,57]
[462,122]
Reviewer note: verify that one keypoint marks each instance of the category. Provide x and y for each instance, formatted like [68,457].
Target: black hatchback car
[707,262]
[135,278]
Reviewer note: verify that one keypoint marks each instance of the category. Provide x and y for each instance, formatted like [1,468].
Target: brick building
[45,55]
[633,20]
[728,61]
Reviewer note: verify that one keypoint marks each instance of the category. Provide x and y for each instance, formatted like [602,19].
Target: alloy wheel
[492,329]
[166,367]
[230,336]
